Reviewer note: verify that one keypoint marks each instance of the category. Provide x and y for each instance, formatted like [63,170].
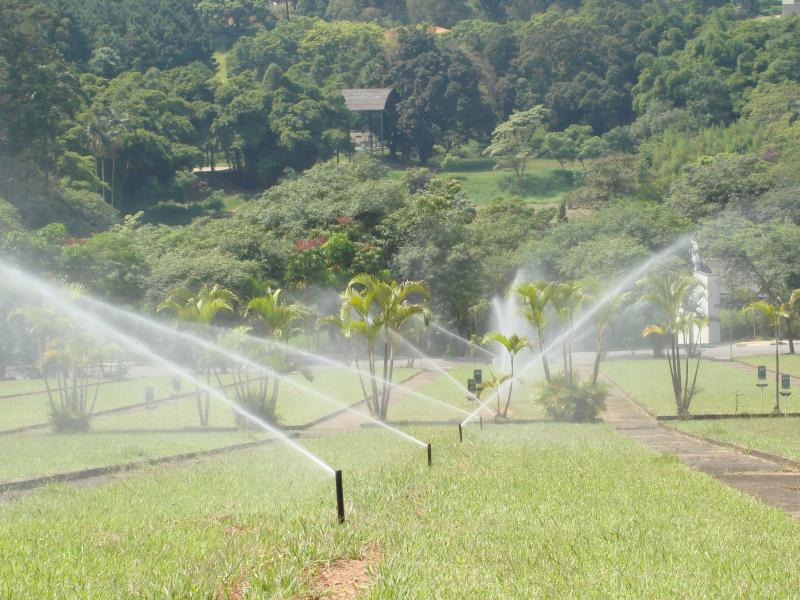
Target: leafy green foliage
[574,401]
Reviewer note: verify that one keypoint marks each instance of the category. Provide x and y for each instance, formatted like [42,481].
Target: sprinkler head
[460,433]
[430,458]
[481,419]
[339,497]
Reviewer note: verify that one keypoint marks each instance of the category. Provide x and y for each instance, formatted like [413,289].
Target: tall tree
[675,296]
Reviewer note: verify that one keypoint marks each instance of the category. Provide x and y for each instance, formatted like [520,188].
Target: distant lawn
[777,435]
[648,381]
[545,181]
[221,59]
[299,402]
[444,389]
[790,363]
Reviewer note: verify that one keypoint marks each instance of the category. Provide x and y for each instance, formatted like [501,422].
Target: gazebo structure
[370,101]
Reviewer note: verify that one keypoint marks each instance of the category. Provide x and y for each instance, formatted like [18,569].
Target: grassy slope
[512,512]
[647,380]
[779,436]
[545,181]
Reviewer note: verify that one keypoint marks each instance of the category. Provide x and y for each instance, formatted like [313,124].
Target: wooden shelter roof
[367,98]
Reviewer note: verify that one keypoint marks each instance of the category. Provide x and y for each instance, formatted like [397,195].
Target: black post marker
[430,458]
[460,433]
[339,497]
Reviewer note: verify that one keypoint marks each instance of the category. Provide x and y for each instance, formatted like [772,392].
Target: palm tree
[371,306]
[604,317]
[513,344]
[566,297]
[536,296]
[253,392]
[774,313]
[280,321]
[675,297]
[199,309]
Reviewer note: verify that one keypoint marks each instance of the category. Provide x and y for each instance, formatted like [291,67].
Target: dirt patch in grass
[345,578]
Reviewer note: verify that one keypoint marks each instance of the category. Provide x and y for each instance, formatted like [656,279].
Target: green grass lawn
[296,406]
[446,390]
[777,435]
[648,381]
[545,181]
[790,363]
[515,511]
[35,454]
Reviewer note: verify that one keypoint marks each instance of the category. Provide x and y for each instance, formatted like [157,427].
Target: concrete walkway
[771,482]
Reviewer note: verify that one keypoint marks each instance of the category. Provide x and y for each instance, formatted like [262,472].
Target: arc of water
[461,339]
[421,354]
[65,306]
[242,359]
[623,284]
[375,378]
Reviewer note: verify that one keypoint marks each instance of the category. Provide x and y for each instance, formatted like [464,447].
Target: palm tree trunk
[372,402]
[598,355]
[545,364]
[510,389]
[388,383]
[777,408]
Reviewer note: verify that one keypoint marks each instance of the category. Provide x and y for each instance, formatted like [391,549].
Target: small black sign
[786,382]
[762,373]
[478,375]
[472,386]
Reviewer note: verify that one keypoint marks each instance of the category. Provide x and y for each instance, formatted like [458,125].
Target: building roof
[367,98]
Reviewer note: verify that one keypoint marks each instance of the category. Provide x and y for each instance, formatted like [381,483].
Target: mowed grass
[648,382]
[514,512]
[299,402]
[545,181]
[789,363]
[453,393]
[776,435]
[36,454]
[143,434]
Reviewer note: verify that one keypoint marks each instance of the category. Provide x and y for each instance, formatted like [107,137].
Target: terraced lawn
[648,382]
[516,511]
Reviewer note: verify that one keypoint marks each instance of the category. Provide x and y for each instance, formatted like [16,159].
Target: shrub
[574,401]
[65,421]
[258,406]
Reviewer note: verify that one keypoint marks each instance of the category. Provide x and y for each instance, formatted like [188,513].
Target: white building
[791,7]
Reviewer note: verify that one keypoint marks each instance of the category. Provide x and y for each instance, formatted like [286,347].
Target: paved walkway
[770,482]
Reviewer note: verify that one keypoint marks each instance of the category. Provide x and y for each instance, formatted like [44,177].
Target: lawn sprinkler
[460,433]
[430,457]
[481,422]
[339,497]
[762,383]
[786,391]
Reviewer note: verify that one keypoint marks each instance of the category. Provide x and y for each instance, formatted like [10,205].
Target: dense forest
[666,115]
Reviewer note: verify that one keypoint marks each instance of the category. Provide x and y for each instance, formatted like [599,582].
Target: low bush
[574,401]
[65,421]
